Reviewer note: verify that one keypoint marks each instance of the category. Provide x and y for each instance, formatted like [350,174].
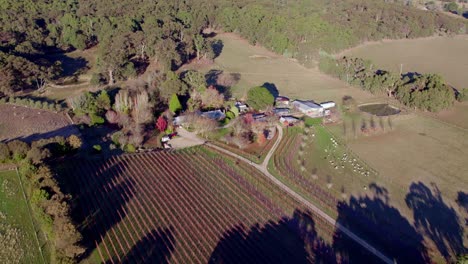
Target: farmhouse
[309,108]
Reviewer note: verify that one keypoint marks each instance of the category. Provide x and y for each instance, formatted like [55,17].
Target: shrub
[129,148]
[3,100]
[97,148]
[74,141]
[96,120]
[174,104]
[11,100]
[4,152]
[309,122]
[462,95]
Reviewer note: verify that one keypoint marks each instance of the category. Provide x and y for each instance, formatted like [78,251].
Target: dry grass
[444,55]
[257,65]
[26,123]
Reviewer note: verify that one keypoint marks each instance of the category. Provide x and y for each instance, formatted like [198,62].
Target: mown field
[18,241]
[194,206]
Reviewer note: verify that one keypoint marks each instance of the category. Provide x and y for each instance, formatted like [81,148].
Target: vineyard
[191,206]
[314,164]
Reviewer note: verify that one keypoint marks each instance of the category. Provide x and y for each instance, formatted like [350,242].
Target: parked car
[165,139]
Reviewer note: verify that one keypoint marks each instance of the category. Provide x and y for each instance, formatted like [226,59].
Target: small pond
[379,109]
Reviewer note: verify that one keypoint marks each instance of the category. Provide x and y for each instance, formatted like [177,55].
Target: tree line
[423,91]
[50,205]
[130,34]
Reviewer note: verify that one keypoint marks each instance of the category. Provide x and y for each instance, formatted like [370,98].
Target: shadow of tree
[271,87]
[462,201]
[381,225]
[99,194]
[155,247]
[217,47]
[436,219]
[289,240]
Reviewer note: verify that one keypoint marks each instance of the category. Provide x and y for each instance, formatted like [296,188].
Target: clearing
[28,124]
[19,244]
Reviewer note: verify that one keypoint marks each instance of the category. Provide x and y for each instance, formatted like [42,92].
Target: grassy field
[443,55]
[19,244]
[257,66]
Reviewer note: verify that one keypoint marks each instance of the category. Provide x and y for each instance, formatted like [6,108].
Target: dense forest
[129,34]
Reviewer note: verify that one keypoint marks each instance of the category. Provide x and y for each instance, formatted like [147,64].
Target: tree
[211,98]
[451,7]
[74,141]
[18,149]
[172,85]
[200,44]
[4,152]
[161,124]
[260,98]
[174,104]
[103,100]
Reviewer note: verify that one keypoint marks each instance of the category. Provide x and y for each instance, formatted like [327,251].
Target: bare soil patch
[17,122]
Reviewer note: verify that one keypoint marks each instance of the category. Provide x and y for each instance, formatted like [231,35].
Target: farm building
[281,111]
[309,108]
[259,117]
[242,107]
[289,120]
[281,101]
[328,105]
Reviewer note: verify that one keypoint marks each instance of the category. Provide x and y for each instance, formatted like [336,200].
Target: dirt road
[263,168]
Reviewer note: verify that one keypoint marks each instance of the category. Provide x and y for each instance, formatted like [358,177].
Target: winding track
[263,168]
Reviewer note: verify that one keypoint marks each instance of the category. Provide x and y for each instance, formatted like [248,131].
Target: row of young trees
[426,92]
[51,206]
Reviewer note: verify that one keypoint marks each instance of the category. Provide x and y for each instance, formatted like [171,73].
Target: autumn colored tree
[161,123]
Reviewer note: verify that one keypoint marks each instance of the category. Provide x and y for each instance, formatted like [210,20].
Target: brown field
[17,122]
[444,55]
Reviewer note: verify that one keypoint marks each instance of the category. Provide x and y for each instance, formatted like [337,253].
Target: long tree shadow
[462,201]
[382,226]
[436,219]
[289,240]
[155,247]
[100,195]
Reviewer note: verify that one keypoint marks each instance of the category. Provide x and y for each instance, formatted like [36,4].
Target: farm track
[263,168]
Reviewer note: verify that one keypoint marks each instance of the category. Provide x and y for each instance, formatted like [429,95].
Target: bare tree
[123,103]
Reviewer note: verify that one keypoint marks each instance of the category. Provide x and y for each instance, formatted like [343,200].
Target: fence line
[30,215]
